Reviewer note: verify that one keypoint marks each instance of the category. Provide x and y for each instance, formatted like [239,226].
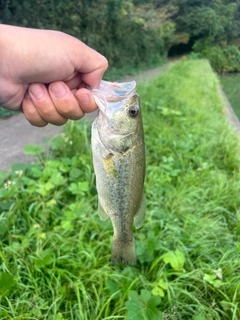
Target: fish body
[119,165]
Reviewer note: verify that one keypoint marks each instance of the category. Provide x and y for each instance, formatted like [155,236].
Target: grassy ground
[231,86]
[55,251]
[4,113]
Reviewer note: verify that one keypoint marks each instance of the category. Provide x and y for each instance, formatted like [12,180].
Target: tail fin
[124,252]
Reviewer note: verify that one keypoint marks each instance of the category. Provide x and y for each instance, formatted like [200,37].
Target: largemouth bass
[119,164]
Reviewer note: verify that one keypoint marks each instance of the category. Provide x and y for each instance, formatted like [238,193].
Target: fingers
[90,64]
[56,104]
[44,104]
[64,101]
[31,113]
[85,100]
[92,74]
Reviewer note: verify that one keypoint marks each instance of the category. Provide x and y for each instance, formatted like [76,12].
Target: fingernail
[85,99]
[58,90]
[37,90]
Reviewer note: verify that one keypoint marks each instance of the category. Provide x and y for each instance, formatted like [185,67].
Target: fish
[118,153]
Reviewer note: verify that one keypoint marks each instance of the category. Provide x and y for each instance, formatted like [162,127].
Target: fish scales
[119,165]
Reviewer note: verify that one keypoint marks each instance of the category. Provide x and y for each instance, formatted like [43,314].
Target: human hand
[45,73]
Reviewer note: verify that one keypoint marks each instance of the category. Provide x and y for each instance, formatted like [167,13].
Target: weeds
[55,251]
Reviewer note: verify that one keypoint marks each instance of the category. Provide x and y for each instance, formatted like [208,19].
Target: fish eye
[133,111]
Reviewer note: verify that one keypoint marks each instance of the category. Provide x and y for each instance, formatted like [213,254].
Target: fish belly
[119,180]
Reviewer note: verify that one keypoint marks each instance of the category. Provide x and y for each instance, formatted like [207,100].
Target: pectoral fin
[101,212]
[139,217]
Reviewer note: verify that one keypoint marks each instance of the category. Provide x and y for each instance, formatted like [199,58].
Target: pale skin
[46,74]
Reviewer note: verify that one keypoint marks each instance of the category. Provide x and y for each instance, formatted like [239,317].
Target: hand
[45,73]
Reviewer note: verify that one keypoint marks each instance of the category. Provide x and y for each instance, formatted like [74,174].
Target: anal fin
[101,212]
[140,215]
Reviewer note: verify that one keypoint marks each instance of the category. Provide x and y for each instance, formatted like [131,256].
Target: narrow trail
[16,132]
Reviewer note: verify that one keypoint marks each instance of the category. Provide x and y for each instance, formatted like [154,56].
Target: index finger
[91,64]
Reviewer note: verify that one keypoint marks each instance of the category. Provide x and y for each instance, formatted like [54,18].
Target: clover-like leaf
[143,306]
[175,258]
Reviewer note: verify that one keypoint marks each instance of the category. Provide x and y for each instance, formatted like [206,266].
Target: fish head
[119,118]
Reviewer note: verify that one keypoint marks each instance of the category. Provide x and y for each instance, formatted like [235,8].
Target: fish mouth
[114,91]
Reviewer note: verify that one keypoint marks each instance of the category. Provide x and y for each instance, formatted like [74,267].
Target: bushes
[114,28]
[222,58]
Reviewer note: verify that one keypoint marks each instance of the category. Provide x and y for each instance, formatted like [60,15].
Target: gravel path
[16,132]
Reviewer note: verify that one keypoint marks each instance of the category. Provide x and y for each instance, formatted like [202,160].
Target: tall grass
[55,251]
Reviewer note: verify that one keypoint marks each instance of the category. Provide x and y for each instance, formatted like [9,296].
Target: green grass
[55,251]
[5,113]
[231,86]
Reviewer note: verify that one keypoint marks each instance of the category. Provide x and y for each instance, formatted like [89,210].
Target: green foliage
[174,258]
[143,306]
[55,251]
[136,34]
[223,59]
[4,113]
[207,19]
[6,283]
[231,86]
[113,28]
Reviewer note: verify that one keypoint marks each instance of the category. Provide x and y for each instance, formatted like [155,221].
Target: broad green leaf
[3,193]
[226,305]
[157,291]
[59,316]
[44,188]
[3,226]
[3,176]
[58,143]
[6,205]
[28,182]
[44,258]
[33,150]
[78,188]
[143,306]
[113,287]
[147,246]
[212,279]
[159,288]
[51,203]
[75,173]
[57,179]
[209,277]
[162,284]
[20,166]
[6,283]
[175,258]
[36,170]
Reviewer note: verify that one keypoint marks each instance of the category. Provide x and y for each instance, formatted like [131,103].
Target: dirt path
[16,132]
[148,74]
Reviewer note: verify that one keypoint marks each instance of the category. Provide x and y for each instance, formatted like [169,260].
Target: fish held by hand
[119,164]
